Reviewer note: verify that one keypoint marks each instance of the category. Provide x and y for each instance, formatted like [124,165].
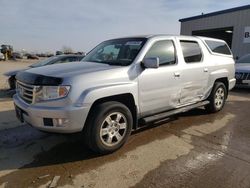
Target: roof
[160,36]
[216,13]
[146,36]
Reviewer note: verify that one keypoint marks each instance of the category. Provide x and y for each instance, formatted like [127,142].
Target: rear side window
[191,51]
[164,50]
[218,47]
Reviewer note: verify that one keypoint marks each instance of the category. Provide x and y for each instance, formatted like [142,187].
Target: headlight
[44,93]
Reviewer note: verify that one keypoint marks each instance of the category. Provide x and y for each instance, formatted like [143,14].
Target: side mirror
[151,62]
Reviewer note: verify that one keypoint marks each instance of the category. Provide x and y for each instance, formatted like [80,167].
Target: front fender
[89,96]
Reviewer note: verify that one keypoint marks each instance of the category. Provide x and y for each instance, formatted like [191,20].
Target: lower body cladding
[68,119]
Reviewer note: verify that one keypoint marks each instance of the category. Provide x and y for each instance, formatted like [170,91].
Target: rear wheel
[217,97]
[108,127]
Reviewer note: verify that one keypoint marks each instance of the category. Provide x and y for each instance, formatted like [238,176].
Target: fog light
[60,122]
[48,122]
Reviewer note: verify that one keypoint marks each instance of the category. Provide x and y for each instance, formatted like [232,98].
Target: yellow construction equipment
[6,50]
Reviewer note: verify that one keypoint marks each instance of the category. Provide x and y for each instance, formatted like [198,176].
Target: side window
[191,51]
[218,47]
[164,50]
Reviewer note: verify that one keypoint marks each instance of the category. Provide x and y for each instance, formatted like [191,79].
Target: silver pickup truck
[126,83]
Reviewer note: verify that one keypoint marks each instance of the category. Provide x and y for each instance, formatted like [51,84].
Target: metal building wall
[239,20]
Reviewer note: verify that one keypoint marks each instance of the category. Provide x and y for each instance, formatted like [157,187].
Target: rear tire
[217,98]
[108,127]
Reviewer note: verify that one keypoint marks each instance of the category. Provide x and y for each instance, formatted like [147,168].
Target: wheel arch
[225,81]
[126,98]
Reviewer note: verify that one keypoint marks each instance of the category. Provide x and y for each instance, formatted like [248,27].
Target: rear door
[195,73]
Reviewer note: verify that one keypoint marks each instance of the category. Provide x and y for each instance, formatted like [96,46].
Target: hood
[70,69]
[14,72]
[56,74]
[242,67]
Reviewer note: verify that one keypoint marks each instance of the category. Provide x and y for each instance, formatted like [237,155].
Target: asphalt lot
[193,149]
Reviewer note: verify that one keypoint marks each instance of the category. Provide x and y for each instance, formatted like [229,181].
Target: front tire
[12,82]
[217,98]
[108,127]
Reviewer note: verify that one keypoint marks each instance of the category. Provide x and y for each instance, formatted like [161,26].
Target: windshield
[44,62]
[244,59]
[120,52]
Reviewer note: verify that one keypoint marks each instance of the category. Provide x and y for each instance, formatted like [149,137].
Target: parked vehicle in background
[59,53]
[16,55]
[126,83]
[52,60]
[49,54]
[45,54]
[32,56]
[242,72]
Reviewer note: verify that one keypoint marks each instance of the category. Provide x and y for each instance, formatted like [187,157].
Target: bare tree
[67,50]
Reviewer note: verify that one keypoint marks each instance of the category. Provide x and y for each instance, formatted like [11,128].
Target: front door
[159,88]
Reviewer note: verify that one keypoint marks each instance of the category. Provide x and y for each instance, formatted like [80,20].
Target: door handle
[177,74]
[205,69]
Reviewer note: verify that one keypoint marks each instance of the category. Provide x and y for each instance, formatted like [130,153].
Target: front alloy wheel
[113,129]
[108,127]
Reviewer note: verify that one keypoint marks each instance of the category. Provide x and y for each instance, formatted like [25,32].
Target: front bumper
[34,115]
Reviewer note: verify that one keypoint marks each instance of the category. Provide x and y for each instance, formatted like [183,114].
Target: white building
[231,25]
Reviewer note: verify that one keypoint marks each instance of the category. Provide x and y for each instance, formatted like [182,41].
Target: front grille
[25,91]
[242,76]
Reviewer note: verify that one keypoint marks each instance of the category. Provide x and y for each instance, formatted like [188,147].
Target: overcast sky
[47,25]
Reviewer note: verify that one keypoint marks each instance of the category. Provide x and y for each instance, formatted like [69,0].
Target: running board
[164,115]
